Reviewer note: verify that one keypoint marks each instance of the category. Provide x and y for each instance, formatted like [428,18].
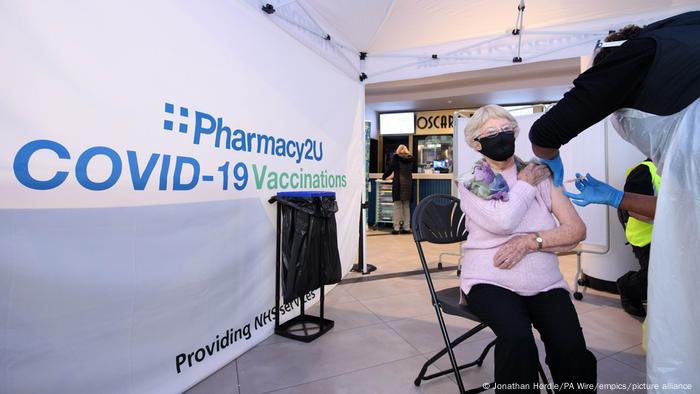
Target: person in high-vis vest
[641,179]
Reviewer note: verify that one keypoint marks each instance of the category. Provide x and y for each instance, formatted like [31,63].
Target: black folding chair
[439,219]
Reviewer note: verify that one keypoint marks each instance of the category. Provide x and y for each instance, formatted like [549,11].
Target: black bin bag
[309,242]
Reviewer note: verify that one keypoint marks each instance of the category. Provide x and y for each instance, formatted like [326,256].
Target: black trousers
[511,316]
[633,285]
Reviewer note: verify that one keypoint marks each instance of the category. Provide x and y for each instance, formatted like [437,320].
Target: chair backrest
[439,219]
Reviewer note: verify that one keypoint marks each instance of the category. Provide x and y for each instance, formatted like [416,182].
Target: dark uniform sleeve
[597,93]
[639,181]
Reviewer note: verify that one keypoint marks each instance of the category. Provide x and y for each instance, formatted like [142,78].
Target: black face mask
[498,147]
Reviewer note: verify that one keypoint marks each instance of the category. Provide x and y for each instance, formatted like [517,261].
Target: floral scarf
[488,185]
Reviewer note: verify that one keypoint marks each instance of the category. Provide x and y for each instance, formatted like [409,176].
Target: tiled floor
[386,329]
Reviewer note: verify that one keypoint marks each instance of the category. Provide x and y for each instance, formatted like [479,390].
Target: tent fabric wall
[135,232]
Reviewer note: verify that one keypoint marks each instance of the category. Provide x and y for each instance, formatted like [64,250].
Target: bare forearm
[560,249]
[560,239]
[640,204]
[641,217]
[563,236]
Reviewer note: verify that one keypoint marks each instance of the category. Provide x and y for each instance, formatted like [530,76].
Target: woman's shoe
[395,232]
[405,231]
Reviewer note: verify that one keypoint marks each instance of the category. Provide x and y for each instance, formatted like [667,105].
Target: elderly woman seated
[510,274]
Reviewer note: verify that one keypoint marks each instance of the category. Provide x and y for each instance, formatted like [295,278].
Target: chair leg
[478,362]
[488,347]
[481,389]
[578,280]
[468,334]
[450,353]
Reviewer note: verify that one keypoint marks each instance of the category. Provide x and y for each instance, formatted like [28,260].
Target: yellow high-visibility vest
[638,232]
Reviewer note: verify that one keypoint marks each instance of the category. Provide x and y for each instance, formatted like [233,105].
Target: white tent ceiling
[378,26]
[400,36]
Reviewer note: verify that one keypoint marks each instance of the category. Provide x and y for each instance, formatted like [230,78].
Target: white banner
[141,142]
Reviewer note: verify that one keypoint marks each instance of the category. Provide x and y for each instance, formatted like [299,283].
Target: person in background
[510,274]
[632,286]
[401,167]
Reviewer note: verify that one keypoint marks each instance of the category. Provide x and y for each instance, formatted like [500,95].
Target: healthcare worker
[632,286]
[651,85]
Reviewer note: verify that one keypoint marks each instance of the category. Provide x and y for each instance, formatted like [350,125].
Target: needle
[575,179]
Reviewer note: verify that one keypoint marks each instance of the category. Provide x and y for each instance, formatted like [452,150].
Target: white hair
[481,116]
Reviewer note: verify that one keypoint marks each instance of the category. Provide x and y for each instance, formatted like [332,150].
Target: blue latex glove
[557,167]
[595,192]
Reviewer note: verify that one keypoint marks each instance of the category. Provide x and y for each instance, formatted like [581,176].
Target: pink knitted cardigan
[491,223]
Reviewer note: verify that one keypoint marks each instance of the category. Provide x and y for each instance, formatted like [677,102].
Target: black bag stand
[311,326]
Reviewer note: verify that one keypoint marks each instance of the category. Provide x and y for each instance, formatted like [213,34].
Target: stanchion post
[278,272]
[362,265]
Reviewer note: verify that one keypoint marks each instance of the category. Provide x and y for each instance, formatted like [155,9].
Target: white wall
[371,115]
[619,258]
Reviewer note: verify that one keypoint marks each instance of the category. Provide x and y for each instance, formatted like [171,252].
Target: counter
[417,175]
[423,185]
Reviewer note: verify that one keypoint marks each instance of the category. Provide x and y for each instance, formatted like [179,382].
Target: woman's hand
[513,251]
[534,173]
